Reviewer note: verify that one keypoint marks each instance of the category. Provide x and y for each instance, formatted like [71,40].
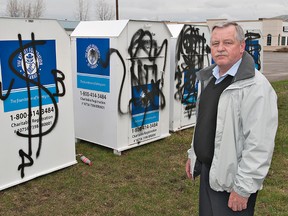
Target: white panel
[191,54]
[36,107]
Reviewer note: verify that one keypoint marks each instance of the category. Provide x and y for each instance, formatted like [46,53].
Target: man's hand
[188,169]
[237,202]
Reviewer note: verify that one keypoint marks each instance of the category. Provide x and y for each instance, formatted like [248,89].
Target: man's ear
[242,47]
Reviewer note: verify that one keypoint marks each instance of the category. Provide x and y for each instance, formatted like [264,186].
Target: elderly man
[236,125]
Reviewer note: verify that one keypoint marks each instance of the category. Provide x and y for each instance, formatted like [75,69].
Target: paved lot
[275,66]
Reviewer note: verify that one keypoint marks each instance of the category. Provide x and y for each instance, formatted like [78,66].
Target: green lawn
[148,180]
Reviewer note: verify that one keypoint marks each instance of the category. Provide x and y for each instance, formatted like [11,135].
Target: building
[274,31]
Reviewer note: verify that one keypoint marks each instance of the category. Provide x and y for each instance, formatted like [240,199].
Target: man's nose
[220,47]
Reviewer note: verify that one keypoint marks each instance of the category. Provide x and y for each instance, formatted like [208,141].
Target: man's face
[225,49]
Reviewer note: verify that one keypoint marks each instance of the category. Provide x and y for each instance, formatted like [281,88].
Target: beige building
[274,31]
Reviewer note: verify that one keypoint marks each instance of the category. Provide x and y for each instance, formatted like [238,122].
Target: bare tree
[39,8]
[26,9]
[104,11]
[13,8]
[83,10]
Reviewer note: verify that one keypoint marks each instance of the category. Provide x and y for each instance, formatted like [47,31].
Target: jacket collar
[246,69]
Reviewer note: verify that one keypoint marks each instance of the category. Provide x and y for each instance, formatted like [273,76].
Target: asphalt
[275,65]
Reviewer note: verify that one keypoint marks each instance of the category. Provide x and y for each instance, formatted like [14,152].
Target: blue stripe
[19,100]
[143,119]
[93,83]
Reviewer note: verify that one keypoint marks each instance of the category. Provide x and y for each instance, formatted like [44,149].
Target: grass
[148,180]
[273,199]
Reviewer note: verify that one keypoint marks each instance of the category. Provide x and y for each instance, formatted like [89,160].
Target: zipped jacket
[247,121]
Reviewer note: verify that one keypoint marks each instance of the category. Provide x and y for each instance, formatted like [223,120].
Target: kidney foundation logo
[29,63]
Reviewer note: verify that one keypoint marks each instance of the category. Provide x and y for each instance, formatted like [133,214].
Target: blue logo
[91,53]
[92,56]
[29,63]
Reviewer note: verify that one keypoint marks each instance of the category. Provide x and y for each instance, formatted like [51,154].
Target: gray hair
[240,35]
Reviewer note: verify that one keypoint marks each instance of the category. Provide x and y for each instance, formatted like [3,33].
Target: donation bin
[190,52]
[37,132]
[121,82]
[254,46]
[254,42]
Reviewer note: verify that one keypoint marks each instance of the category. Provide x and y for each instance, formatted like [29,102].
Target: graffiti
[105,64]
[30,62]
[191,49]
[146,80]
[9,90]
[253,47]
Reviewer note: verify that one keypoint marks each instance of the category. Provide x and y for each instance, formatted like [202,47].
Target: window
[269,40]
[283,40]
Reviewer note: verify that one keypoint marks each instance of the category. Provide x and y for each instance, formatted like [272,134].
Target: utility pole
[117,14]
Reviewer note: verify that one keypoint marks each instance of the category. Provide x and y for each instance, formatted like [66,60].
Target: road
[275,66]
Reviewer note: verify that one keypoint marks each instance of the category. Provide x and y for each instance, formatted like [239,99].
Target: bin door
[192,54]
[147,60]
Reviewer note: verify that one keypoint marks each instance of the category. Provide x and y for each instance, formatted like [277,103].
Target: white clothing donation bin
[121,88]
[37,132]
[190,52]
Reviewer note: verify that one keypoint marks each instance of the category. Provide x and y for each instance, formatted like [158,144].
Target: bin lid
[175,29]
[107,28]
[24,25]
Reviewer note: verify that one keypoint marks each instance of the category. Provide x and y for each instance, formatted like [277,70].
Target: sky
[170,10]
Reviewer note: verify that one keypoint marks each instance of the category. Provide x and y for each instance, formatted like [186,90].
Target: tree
[26,9]
[13,8]
[39,8]
[104,11]
[83,10]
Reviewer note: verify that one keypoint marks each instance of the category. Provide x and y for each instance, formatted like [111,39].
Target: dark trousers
[212,203]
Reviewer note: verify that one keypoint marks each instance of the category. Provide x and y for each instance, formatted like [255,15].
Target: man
[236,125]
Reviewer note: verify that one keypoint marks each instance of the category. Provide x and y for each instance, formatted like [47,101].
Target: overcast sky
[171,10]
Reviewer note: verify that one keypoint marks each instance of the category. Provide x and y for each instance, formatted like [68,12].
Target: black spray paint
[253,47]
[143,49]
[191,50]
[105,64]
[145,55]
[27,157]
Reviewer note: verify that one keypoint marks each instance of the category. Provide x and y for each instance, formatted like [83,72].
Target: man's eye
[228,42]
